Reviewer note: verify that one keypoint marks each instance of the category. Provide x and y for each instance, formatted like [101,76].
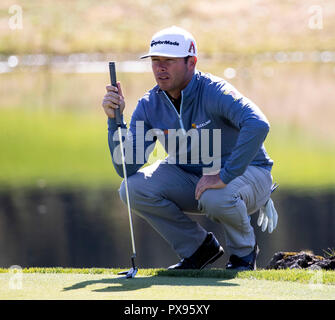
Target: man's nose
[161,66]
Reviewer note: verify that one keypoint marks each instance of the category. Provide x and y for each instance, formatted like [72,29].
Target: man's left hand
[208,182]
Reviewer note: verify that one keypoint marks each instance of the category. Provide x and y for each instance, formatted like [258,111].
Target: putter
[133,270]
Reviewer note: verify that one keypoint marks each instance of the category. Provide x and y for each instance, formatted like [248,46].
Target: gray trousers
[163,194]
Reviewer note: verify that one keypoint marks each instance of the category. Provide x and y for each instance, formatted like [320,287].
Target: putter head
[131,273]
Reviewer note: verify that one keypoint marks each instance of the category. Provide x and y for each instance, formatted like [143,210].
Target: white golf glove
[268,217]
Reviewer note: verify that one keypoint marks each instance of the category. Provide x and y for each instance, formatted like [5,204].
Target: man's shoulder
[150,95]
[213,86]
[210,79]
[147,102]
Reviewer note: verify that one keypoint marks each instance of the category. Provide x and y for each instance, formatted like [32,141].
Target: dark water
[89,228]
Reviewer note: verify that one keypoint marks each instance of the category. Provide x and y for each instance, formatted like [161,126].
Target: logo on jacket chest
[201,125]
[194,126]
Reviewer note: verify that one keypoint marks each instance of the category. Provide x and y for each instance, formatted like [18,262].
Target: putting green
[112,287]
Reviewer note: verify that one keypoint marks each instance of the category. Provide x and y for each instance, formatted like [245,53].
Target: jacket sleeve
[252,125]
[136,148]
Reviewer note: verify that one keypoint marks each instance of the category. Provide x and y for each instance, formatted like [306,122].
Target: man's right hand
[113,99]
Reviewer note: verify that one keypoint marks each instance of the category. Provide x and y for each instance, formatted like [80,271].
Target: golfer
[185,105]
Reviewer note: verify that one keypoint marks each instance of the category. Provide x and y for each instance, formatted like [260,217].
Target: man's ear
[192,61]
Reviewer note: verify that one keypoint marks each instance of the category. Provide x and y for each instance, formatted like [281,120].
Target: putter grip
[112,74]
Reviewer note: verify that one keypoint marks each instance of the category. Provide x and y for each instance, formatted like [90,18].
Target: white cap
[172,42]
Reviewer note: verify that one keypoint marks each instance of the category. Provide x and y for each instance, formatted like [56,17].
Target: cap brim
[159,54]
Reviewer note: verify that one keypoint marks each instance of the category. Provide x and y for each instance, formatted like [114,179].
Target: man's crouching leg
[160,193]
[232,205]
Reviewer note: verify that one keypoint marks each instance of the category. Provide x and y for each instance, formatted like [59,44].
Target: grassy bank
[293,275]
[45,148]
[63,149]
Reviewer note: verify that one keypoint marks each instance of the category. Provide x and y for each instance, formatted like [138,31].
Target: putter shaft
[132,272]
[127,196]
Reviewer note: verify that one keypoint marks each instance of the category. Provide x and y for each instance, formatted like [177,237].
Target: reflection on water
[89,228]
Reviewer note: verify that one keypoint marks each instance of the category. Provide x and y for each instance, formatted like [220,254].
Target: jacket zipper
[181,108]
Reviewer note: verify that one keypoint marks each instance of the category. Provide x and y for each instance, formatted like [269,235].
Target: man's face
[172,74]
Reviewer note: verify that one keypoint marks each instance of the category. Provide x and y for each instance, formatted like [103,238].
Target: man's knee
[216,204]
[132,188]
[221,206]
[137,189]
[225,207]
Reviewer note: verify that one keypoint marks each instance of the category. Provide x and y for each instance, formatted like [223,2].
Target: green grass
[151,284]
[71,149]
[294,275]
[301,160]
[54,149]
